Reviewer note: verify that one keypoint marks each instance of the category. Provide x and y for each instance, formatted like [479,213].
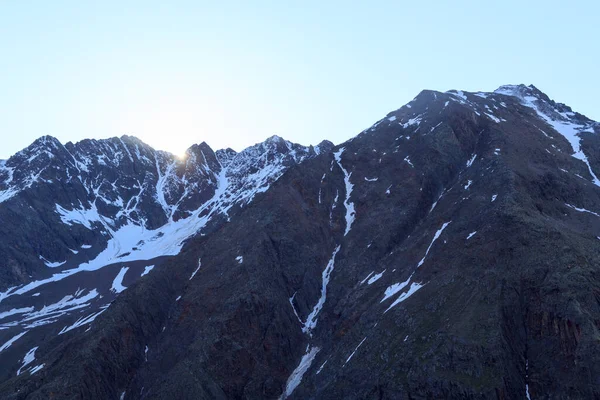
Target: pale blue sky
[181,72]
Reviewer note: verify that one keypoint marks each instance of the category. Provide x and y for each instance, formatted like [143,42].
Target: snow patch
[36,369]
[147,270]
[350,213]
[296,376]
[84,320]
[351,355]
[471,160]
[12,340]
[435,237]
[582,210]
[28,359]
[197,269]
[412,290]
[311,320]
[117,284]
[375,278]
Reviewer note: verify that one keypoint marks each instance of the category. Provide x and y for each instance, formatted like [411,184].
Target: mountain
[451,250]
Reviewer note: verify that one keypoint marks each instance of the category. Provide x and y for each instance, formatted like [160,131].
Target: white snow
[435,127]
[435,237]
[582,209]
[147,270]
[11,341]
[117,285]
[494,197]
[28,359]
[146,353]
[560,122]
[368,276]
[133,242]
[435,202]
[395,288]
[493,118]
[239,259]
[52,264]
[178,298]
[350,357]
[320,186]
[36,369]
[471,235]
[392,118]
[407,159]
[321,367]
[412,290]
[375,278]
[86,246]
[371,179]
[350,213]
[197,269]
[296,376]
[471,160]
[15,311]
[311,320]
[413,121]
[458,93]
[65,305]
[84,320]
[291,299]
[527,380]
[81,216]
[468,184]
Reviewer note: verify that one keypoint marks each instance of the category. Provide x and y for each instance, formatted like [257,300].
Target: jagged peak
[43,145]
[275,139]
[324,147]
[224,156]
[521,91]
[45,141]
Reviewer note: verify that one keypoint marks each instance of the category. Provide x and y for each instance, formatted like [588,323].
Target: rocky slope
[449,251]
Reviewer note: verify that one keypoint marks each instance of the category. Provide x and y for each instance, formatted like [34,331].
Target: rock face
[449,251]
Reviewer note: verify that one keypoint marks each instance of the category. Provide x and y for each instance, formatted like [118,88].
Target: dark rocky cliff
[449,251]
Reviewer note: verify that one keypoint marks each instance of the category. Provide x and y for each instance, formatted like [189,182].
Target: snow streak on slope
[84,320]
[296,377]
[352,355]
[197,269]
[11,341]
[350,213]
[561,122]
[117,285]
[311,320]
[413,288]
[28,359]
[435,237]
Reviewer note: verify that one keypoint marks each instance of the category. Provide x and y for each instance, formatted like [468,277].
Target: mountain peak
[521,91]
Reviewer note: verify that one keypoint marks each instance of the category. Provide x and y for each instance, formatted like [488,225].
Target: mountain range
[451,250]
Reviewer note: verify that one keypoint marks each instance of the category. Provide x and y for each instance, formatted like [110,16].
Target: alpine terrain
[451,250]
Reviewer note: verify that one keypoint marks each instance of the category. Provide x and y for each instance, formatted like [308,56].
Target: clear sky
[232,73]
